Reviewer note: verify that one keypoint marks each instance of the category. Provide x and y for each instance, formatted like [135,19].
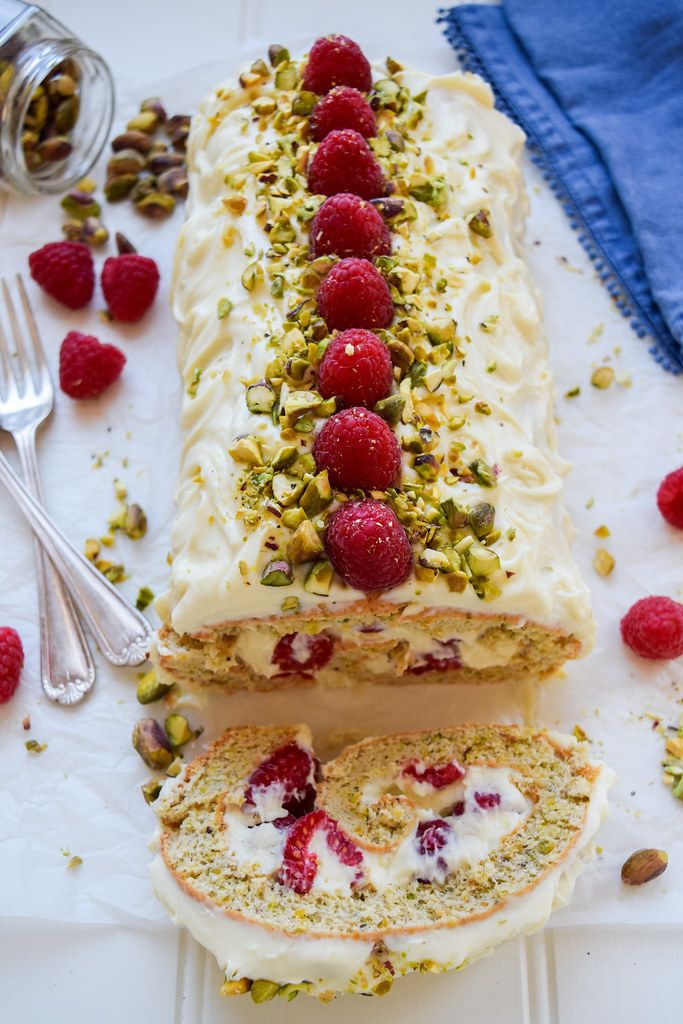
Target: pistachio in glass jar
[56,102]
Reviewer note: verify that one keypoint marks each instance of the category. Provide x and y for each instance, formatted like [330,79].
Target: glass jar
[56,102]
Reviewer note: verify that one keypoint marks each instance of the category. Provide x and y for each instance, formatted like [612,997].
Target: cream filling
[247,950]
[477,150]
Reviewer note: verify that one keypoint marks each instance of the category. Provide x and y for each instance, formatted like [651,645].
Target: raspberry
[356,368]
[300,867]
[436,775]
[346,225]
[291,768]
[367,546]
[653,628]
[302,654]
[129,283]
[344,162]
[65,271]
[458,809]
[432,836]
[354,294]
[86,366]
[342,108]
[487,800]
[669,495]
[358,450]
[446,658]
[336,60]
[11,661]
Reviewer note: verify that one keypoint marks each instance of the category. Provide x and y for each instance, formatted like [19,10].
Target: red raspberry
[458,809]
[11,661]
[487,801]
[346,225]
[129,283]
[653,628]
[448,657]
[669,496]
[302,654]
[336,60]
[86,366]
[342,108]
[344,162]
[358,450]
[292,768]
[354,294]
[367,546]
[432,836]
[356,368]
[437,775]
[300,867]
[65,270]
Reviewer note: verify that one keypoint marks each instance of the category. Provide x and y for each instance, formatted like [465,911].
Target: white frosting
[253,951]
[477,150]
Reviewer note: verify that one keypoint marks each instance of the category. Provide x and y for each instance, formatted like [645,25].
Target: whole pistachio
[177,129]
[644,865]
[174,181]
[61,85]
[277,54]
[144,187]
[126,161]
[139,141]
[261,990]
[81,205]
[157,108]
[160,162]
[145,121]
[156,205]
[120,186]
[54,149]
[152,744]
[66,115]
[135,522]
[94,232]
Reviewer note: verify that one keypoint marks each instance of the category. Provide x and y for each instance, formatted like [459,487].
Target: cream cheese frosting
[250,950]
[476,149]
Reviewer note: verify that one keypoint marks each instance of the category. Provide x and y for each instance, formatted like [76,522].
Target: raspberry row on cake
[417,852]
[369,482]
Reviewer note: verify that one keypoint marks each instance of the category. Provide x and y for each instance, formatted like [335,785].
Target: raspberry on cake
[375,876]
[369,487]
[346,225]
[343,162]
[356,368]
[342,108]
[354,294]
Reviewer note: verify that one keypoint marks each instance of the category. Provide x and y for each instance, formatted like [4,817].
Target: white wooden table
[145,973]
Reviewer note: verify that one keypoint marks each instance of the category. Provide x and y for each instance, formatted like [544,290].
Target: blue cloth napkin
[597,85]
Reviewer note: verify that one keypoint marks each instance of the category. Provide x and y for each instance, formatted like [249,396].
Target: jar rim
[34,64]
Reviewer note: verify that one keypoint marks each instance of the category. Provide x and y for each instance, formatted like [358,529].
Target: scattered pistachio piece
[75,862]
[151,688]
[235,988]
[261,990]
[144,598]
[603,562]
[602,377]
[277,573]
[34,747]
[151,790]
[480,224]
[644,865]
[152,744]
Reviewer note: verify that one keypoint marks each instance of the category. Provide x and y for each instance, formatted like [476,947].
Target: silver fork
[122,633]
[26,400]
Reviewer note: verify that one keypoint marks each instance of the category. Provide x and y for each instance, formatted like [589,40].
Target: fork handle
[67,671]
[122,633]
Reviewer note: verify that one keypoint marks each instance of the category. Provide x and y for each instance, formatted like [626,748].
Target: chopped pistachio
[456,515]
[432,559]
[482,473]
[223,308]
[235,988]
[290,604]
[426,466]
[292,517]
[456,582]
[178,730]
[277,574]
[390,409]
[247,449]
[284,457]
[261,990]
[260,397]
[482,561]
[151,688]
[317,496]
[286,488]
[480,224]
[573,392]
[602,531]
[305,544]
[151,790]
[252,276]
[319,579]
[135,522]
[301,402]
[481,518]
[603,562]
[191,389]
[74,862]
[441,331]
[277,54]
[34,747]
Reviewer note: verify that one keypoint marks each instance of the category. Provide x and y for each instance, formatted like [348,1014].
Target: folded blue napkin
[597,85]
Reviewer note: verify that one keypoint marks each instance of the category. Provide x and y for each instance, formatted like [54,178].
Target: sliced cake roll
[369,483]
[416,852]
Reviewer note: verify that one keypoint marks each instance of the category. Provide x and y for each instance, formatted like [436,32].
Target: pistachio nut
[142,188]
[138,141]
[432,559]
[151,688]
[317,496]
[126,161]
[290,992]
[160,162]
[235,988]
[482,473]
[286,489]
[261,991]
[602,377]
[389,207]
[603,562]
[277,54]
[305,544]
[156,205]
[482,561]
[456,515]
[319,579]
[223,308]
[260,397]
[277,573]
[390,409]
[426,466]
[93,232]
[152,744]
[286,76]
[144,598]
[151,790]
[292,517]
[177,129]
[644,865]
[441,331]
[303,103]
[154,104]
[123,245]
[145,121]
[284,457]
[80,205]
[481,518]
[119,187]
[401,355]
[480,223]
[174,181]
[135,522]
[61,85]
[54,149]
[247,449]
[178,730]
[66,115]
